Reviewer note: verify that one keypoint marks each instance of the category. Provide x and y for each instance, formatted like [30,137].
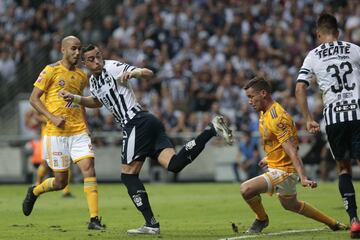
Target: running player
[335,65]
[66,134]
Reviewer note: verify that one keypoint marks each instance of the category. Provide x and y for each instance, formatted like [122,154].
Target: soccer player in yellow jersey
[65,132]
[280,142]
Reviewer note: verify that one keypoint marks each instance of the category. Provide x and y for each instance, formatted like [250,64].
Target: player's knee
[290,206]
[245,191]
[344,167]
[60,183]
[174,165]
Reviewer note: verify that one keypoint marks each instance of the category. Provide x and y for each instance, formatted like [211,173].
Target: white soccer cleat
[144,230]
[222,129]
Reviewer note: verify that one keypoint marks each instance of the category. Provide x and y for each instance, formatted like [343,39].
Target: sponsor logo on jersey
[345,107]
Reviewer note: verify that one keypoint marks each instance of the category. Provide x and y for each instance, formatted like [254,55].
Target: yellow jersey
[51,80]
[275,127]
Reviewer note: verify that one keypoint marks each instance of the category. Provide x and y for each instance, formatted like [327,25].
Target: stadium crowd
[202,51]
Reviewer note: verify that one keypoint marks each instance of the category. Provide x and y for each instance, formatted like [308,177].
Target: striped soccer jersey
[118,98]
[336,67]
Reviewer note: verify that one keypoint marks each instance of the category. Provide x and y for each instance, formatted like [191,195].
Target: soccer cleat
[355,228]
[257,226]
[222,129]
[145,230]
[29,201]
[339,227]
[68,195]
[95,224]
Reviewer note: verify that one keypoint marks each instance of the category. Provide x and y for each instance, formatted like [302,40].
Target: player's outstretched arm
[88,101]
[300,93]
[136,73]
[291,150]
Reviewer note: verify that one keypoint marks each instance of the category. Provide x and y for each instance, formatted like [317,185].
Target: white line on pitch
[275,233]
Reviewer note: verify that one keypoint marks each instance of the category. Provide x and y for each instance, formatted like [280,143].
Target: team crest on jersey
[61,82]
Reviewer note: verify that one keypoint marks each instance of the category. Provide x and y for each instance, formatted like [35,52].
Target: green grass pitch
[185,211]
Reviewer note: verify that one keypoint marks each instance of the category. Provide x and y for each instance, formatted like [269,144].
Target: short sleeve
[282,128]
[44,80]
[306,72]
[118,68]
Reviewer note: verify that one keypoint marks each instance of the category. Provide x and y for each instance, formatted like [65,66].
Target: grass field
[185,211]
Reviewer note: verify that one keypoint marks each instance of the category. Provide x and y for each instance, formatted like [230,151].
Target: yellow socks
[91,192]
[311,212]
[45,186]
[257,207]
[41,172]
[66,190]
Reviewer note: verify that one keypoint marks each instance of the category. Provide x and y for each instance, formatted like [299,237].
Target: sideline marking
[275,233]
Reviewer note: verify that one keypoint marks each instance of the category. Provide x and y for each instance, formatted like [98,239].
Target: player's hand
[58,121]
[125,77]
[263,163]
[312,126]
[308,183]
[67,96]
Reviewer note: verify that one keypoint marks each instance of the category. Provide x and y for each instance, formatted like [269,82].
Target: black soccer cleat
[29,201]
[257,226]
[95,224]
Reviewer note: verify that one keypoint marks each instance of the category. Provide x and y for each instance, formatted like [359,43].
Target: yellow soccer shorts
[281,182]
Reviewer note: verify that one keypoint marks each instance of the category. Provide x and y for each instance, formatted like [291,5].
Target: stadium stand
[201,51]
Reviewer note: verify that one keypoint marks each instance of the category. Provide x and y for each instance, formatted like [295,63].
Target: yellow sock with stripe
[66,189]
[257,207]
[41,172]
[309,211]
[91,192]
[45,186]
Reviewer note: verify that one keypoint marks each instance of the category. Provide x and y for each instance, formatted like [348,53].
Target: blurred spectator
[247,158]
[200,57]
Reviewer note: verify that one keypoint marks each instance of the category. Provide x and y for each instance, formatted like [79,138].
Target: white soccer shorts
[281,182]
[59,150]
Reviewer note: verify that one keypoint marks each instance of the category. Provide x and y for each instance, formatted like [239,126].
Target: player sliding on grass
[143,134]
[280,141]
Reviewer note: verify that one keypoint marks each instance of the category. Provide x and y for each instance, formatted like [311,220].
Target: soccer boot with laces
[149,230]
[29,201]
[339,227]
[258,226]
[222,129]
[95,224]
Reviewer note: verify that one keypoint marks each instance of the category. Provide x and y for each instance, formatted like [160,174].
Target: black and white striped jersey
[336,67]
[118,98]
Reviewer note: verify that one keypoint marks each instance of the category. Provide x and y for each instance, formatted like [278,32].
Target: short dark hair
[327,23]
[258,84]
[87,49]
